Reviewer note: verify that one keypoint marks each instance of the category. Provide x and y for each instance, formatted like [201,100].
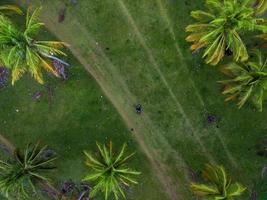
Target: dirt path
[151,140]
[160,168]
[145,133]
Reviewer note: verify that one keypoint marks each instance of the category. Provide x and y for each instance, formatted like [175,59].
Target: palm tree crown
[19,176]
[109,172]
[219,29]
[21,51]
[248,80]
[219,185]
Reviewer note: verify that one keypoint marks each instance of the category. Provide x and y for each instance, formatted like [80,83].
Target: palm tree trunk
[52,192]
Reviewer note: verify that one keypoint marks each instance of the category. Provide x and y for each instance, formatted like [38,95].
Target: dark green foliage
[19,176]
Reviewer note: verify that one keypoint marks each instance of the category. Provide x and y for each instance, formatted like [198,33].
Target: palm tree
[248,80]
[109,173]
[219,28]
[19,176]
[219,185]
[21,51]
[10,8]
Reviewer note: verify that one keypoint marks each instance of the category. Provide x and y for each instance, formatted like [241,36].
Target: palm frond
[235,189]
[204,190]
[32,22]
[218,186]
[248,81]
[17,71]
[260,7]
[11,8]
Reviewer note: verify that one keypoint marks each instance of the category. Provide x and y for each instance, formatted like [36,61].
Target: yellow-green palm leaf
[218,185]
[248,81]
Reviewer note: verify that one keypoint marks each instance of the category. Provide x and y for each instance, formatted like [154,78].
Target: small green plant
[19,176]
[248,80]
[219,185]
[109,172]
[218,29]
[21,51]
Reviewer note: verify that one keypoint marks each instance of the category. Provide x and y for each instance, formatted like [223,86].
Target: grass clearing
[136,52]
[79,115]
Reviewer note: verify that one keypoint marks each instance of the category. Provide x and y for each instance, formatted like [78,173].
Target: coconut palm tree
[219,29]
[218,186]
[109,172]
[248,80]
[19,176]
[21,51]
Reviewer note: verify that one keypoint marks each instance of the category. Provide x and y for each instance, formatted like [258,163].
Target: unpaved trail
[143,127]
[160,169]
[151,140]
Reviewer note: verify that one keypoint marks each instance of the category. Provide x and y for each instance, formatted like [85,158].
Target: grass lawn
[136,52]
[77,116]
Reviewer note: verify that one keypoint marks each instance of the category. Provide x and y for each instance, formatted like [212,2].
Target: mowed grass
[79,116]
[76,117]
[139,49]
[137,53]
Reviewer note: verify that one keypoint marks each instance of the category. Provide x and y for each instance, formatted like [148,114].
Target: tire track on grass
[164,14]
[160,168]
[126,12]
[165,17]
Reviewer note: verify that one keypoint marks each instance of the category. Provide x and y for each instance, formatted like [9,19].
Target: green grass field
[135,52]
